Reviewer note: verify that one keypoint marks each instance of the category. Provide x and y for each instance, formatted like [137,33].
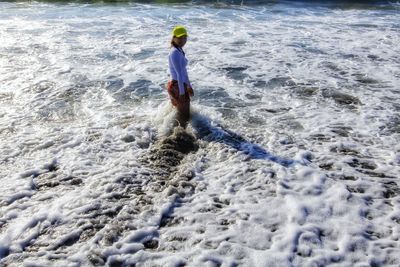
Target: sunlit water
[292,157]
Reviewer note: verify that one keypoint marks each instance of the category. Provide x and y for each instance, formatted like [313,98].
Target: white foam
[287,171]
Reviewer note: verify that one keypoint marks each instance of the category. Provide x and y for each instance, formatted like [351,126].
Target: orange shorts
[173,91]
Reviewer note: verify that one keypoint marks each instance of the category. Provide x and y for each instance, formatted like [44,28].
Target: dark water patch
[98,260]
[346,177]
[334,70]
[107,56]
[330,65]
[291,123]
[321,137]
[56,104]
[396,107]
[15,50]
[140,88]
[314,50]
[364,79]
[278,82]
[360,189]
[167,218]
[374,173]
[300,45]
[236,73]
[151,244]
[258,83]
[4,251]
[143,54]
[90,228]
[59,110]
[345,150]
[287,140]
[44,86]
[374,57]
[392,126]
[326,166]
[364,25]
[128,138]
[253,96]
[67,240]
[114,84]
[213,93]
[50,180]
[342,99]
[374,235]
[52,166]
[391,189]
[347,56]
[341,130]
[136,91]
[228,113]
[304,90]
[239,43]
[112,233]
[364,164]
[274,111]
[218,97]
[255,120]
[230,50]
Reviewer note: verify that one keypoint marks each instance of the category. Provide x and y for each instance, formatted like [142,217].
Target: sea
[291,156]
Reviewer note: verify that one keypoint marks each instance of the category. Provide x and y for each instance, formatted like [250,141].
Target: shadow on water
[167,153]
[205,130]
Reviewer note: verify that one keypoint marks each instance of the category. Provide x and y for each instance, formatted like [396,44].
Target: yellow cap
[179,31]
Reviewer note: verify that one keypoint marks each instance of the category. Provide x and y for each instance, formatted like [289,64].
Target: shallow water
[292,156]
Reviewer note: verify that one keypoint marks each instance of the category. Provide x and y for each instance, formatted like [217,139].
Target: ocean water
[292,156]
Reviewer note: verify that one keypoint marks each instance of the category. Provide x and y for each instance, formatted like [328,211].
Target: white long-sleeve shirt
[177,67]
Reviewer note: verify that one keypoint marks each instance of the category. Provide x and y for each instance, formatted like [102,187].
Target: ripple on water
[341,98]
[341,130]
[113,84]
[236,73]
[134,91]
[139,88]
[277,82]
[143,54]
[228,113]
[107,56]
[290,122]
[52,103]
[392,126]
[258,83]
[364,79]
[305,90]
[218,97]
